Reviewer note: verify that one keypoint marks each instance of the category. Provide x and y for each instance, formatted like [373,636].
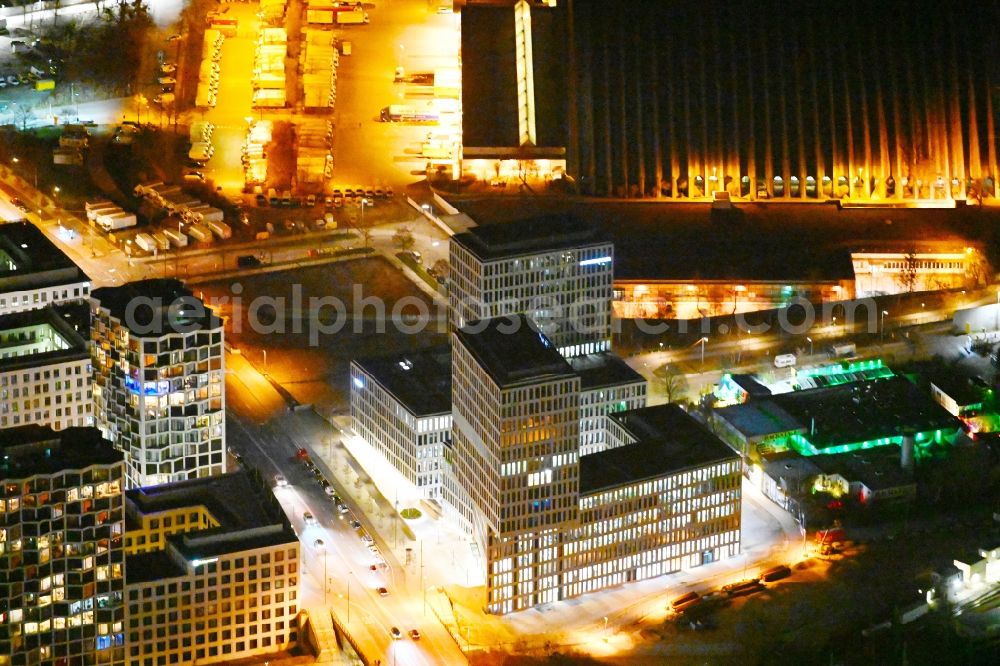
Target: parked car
[414,634]
[18,204]
[311,200]
[355,524]
[168,68]
[395,633]
[308,519]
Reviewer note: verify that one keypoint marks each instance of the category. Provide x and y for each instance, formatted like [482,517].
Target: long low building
[34,272]
[44,370]
[211,572]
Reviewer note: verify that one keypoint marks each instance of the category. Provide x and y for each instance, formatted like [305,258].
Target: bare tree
[671,381]
[907,278]
[403,239]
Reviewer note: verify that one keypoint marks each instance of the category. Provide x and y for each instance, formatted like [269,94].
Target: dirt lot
[310,362]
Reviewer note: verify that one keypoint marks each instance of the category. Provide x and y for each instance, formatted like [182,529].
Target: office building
[45,368]
[61,556]
[556,270]
[401,406]
[34,272]
[607,385]
[159,391]
[553,524]
[212,572]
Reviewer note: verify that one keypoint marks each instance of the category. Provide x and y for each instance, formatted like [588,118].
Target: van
[838,351]
[17,46]
[784,360]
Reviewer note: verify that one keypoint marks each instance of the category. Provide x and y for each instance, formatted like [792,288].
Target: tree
[403,239]
[366,236]
[441,268]
[670,380]
[907,278]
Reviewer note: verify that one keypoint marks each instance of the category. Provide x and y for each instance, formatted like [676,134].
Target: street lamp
[702,342]
[810,341]
[364,202]
[881,332]
[34,173]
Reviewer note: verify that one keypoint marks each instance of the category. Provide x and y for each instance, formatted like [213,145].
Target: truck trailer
[120,220]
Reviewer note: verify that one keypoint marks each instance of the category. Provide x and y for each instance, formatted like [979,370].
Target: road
[331,549]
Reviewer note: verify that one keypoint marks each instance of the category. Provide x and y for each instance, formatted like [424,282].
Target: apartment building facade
[159,391]
[44,371]
[213,572]
[61,558]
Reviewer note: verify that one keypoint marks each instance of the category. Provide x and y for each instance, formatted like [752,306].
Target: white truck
[220,229]
[207,213]
[119,220]
[355,17]
[177,237]
[146,242]
[162,240]
[97,205]
[95,213]
[200,233]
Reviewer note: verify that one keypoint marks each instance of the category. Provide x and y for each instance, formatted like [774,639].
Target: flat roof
[62,322]
[513,351]
[38,262]
[668,440]
[877,468]
[214,542]
[789,465]
[750,384]
[490,81]
[759,418]
[151,566]
[531,235]
[604,369]
[419,380]
[962,390]
[864,411]
[159,306]
[235,500]
[36,449]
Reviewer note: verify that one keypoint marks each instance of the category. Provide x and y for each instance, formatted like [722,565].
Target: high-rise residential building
[401,406]
[61,555]
[159,380]
[34,272]
[663,495]
[556,270]
[212,572]
[45,368]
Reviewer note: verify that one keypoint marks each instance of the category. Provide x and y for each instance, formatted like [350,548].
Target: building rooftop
[29,260]
[750,384]
[532,235]
[236,501]
[604,369]
[59,339]
[864,411]
[512,351]
[667,440]
[490,77]
[789,467]
[878,469]
[963,390]
[419,380]
[35,449]
[758,418]
[159,306]
[151,566]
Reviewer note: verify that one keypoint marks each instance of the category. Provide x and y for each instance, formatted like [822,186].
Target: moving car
[382,592]
[414,634]
[280,481]
[308,519]
[18,204]
[395,633]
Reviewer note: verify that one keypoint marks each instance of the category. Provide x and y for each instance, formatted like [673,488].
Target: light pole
[702,342]
[881,327]
[265,361]
[364,202]
[34,173]
[810,341]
